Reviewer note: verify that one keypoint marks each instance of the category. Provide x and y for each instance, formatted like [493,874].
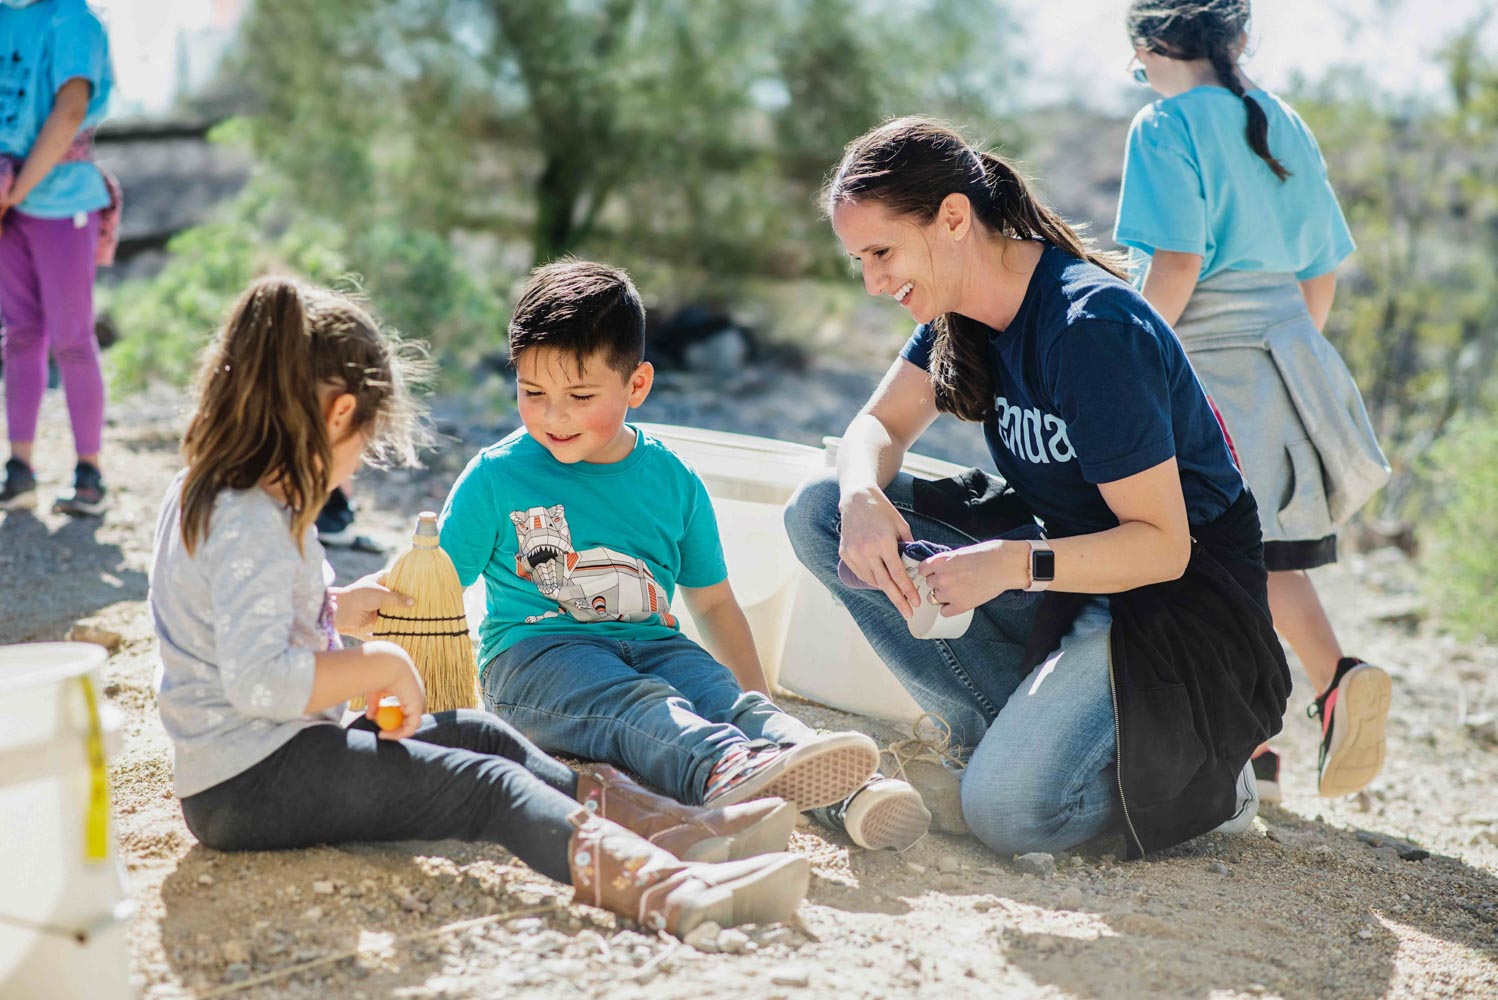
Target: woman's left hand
[359,605]
[965,578]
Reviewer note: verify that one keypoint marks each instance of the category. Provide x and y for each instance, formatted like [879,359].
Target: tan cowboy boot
[692,834]
[624,873]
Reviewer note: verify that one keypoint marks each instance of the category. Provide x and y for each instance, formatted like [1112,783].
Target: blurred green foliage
[675,130]
[413,279]
[1459,551]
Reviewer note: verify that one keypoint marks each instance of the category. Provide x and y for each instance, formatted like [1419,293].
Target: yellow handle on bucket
[96,820]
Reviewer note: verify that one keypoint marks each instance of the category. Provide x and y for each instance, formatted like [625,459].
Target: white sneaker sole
[811,775]
[1356,754]
[887,817]
[1248,803]
[24,501]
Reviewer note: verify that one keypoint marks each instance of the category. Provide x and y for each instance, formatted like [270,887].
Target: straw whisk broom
[434,630]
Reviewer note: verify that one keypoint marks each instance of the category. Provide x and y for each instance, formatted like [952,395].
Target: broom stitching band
[423,618]
[425,635]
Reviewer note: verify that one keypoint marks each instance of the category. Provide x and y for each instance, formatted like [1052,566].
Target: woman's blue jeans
[1040,746]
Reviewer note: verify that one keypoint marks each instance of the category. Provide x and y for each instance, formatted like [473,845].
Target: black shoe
[19,491]
[885,812]
[1267,776]
[335,526]
[90,497]
[1353,711]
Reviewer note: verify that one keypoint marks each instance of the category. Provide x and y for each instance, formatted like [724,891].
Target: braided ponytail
[1205,29]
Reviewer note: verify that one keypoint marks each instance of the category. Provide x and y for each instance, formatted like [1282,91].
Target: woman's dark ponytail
[1205,29]
[910,165]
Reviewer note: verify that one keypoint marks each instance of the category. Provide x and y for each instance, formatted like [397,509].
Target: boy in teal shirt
[586,530]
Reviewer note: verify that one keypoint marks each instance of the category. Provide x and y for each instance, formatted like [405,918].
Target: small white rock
[703,937]
[322,888]
[733,942]
[312,913]
[790,975]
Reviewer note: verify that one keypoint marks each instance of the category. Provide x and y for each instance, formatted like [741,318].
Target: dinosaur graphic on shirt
[594,585]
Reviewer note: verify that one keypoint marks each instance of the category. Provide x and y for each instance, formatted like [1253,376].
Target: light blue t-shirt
[594,549]
[1191,184]
[42,47]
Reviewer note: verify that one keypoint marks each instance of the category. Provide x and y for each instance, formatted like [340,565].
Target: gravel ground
[1317,901]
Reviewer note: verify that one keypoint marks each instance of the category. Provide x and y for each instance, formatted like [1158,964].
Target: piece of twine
[936,747]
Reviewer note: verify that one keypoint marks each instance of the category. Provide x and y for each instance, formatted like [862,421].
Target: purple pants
[47,297]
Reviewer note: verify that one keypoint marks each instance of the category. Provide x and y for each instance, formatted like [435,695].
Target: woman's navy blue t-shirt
[1091,386]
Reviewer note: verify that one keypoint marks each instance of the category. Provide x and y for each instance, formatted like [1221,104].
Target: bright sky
[1076,47]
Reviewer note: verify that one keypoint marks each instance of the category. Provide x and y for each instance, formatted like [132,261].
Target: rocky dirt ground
[1319,900]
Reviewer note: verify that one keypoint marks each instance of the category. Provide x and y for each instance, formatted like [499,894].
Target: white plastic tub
[826,657]
[47,773]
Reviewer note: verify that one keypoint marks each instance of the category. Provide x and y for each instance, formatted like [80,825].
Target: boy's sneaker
[89,497]
[1247,805]
[1267,777]
[816,773]
[886,812]
[19,491]
[1352,712]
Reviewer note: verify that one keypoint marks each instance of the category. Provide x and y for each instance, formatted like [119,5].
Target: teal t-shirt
[42,47]
[1191,184]
[595,549]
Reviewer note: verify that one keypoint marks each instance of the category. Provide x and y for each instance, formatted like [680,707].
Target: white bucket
[827,658]
[63,907]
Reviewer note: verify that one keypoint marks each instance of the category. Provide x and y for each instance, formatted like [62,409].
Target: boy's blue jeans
[1039,747]
[662,708]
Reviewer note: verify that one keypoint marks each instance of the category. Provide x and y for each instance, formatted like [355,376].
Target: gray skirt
[1292,410]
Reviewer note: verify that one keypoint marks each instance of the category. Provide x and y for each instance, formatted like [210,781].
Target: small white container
[49,762]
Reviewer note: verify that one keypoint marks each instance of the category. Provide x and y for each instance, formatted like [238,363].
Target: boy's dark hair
[1204,29]
[583,308]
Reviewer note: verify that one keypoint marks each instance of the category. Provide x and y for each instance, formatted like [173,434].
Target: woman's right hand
[872,530]
[399,680]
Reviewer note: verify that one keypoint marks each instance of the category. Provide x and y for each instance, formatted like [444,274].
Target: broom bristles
[434,630]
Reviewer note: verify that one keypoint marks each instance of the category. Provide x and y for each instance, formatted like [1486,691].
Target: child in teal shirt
[586,531]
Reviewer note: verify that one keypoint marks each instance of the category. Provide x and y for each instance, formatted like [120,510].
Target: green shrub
[1459,540]
[414,281]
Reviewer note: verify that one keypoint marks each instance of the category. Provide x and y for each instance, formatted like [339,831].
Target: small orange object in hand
[389,717]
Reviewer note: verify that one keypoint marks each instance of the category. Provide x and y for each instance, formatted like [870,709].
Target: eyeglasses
[1138,73]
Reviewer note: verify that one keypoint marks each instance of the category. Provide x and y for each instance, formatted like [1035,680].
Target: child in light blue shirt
[43,45]
[1191,184]
[1226,193]
[58,220]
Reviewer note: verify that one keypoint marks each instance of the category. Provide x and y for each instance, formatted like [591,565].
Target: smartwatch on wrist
[1042,565]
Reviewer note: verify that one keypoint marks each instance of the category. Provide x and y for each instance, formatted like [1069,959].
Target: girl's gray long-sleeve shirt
[239,623]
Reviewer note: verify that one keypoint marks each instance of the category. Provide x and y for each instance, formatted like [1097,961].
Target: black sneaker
[19,491]
[335,526]
[1267,776]
[1352,711]
[885,812]
[89,499]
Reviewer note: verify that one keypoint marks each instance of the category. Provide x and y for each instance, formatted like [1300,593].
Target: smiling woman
[1129,698]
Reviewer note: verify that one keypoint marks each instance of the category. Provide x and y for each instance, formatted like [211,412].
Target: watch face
[1043,564]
